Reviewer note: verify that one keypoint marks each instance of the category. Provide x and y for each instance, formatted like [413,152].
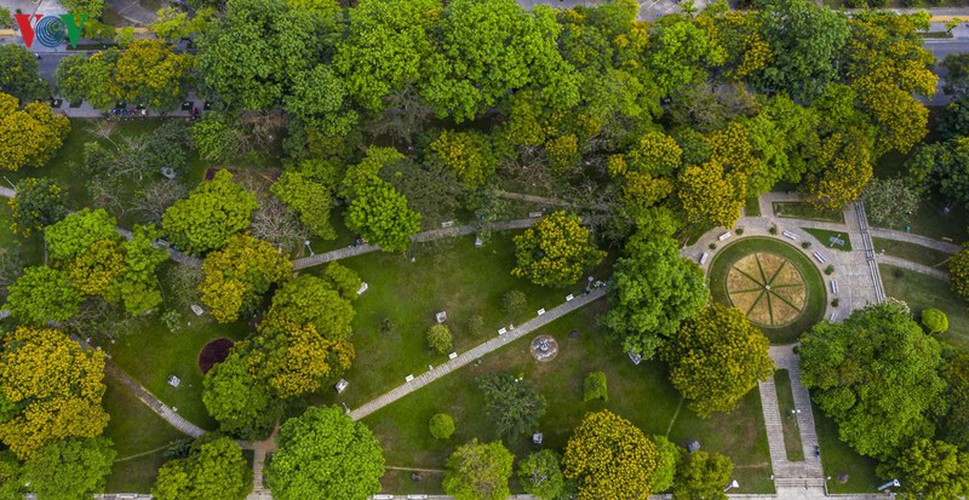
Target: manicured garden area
[725,261]
[641,394]
[802,210]
[824,237]
[921,292]
[785,403]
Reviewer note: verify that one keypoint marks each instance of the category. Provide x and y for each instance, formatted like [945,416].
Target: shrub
[835,302]
[515,302]
[439,338]
[772,230]
[935,321]
[806,244]
[386,326]
[739,231]
[829,270]
[441,425]
[713,246]
[595,387]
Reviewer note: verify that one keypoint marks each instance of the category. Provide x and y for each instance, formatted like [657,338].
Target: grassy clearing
[406,290]
[824,237]
[933,220]
[138,434]
[785,402]
[801,210]
[816,293]
[838,458]
[912,252]
[922,292]
[641,394]
[752,207]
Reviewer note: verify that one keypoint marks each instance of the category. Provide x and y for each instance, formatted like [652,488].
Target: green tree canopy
[325,454]
[381,215]
[877,375]
[70,468]
[40,201]
[652,291]
[931,469]
[21,77]
[717,357]
[540,475]
[75,234]
[212,213]
[479,471]
[241,404]
[43,294]
[703,475]
[214,468]
[514,406]
[556,251]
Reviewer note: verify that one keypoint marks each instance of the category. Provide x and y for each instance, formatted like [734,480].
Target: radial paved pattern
[768,288]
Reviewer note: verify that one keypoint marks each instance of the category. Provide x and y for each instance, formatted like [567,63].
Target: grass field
[785,403]
[139,437]
[406,290]
[921,291]
[752,207]
[641,394]
[801,210]
[824,237]
[933,220]
[912,252]
[813,310]
[838,458]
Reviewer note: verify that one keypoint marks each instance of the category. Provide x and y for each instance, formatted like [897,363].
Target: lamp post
[308,247]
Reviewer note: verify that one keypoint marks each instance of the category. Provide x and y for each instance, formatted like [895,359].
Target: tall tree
[214,468]
[74,235]
[29,135]
[609,458]
[716,358]
[325,454]
[877,375]
[57,387]
[479,471]
[237,276]
[240,402]
[931,469]
[703,475]
[21,77]
[43,294]
[40,201]
[310,199]
[70,468]
[212,213]
[954,426]
[151,73]
[380,213]
[652,291]
[556,251]
[540,475]
[513,405]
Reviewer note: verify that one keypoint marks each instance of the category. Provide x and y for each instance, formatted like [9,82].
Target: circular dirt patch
[775,284]
[767,288]
[214,353]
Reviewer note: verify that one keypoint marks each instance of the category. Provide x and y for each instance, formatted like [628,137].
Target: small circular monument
[544,348]
[214,353]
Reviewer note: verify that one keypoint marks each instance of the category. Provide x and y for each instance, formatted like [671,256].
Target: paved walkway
[163,410]
[917,239]
[434,234]
[806,476]
[476,353]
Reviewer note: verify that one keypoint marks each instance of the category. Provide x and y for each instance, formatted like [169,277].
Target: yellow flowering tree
[29,136]
[238,275]
[556,251]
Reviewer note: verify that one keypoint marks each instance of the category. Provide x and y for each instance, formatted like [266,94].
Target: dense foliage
[479,471]
[214,468]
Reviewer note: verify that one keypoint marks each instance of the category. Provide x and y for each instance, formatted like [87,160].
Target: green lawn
[139,436]
[802,210]
[449,275]
[934,221]
[921,291]
[912,252]
[752,207]
[817,294]
[785,403]
[838,458]
[641,394]
[824,237]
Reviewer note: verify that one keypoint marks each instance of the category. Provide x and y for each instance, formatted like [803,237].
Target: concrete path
[163,410]
[476,353]
[912,266]
[434,234]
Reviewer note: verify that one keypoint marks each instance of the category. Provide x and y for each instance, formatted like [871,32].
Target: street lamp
[307,243]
